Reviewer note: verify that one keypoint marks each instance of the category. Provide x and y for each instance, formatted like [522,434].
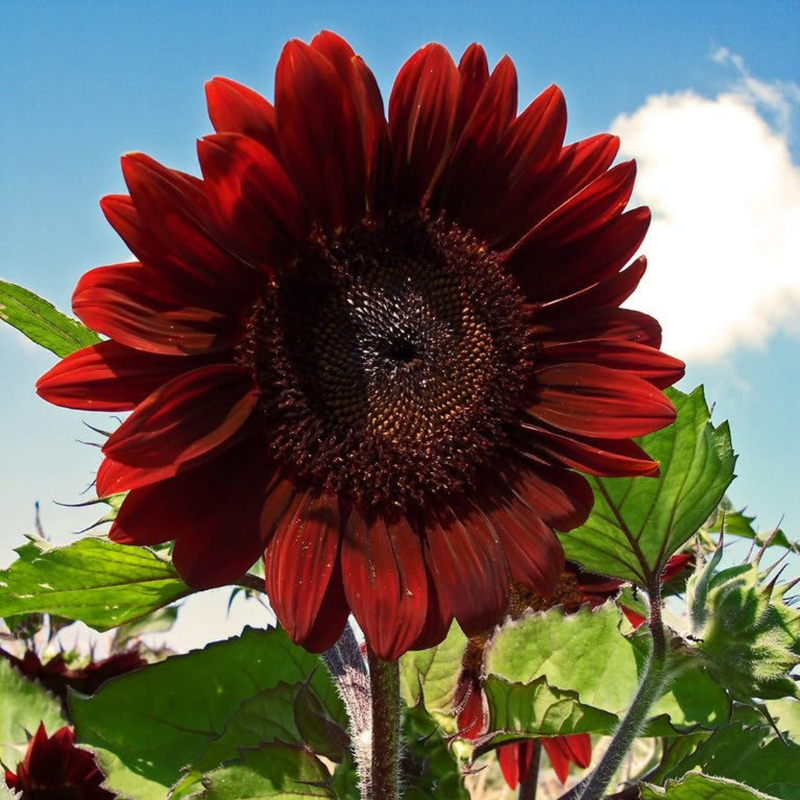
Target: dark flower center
[390,360]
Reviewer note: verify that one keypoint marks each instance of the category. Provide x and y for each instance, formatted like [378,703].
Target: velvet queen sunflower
[373,348]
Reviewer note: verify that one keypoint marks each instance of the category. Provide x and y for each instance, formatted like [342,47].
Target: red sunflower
[373,347]
[54,769]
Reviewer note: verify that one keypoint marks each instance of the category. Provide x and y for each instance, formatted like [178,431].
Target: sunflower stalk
[529,787]
[656,675]
[383,778]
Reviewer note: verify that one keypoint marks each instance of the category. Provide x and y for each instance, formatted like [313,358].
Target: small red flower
[57,677]
[54,769]
[372,346]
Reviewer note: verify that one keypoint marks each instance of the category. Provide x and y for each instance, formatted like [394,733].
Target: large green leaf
[587,654]
[786,712]
[538,709]
[274,772]
[23,705]
[93,580]
[41,322]
[701,787]
[433,673]
[165,716]
[750,755]
[638,523]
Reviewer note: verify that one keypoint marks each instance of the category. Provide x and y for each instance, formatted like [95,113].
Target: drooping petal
[110,377]
[515,761]
[255,201]
[321,140]
[462,550]
[561,498]
[438,619]
[300,561]
[188,418]
[133,305]
[422,111]
[234,108]
[385,580]
[591,400]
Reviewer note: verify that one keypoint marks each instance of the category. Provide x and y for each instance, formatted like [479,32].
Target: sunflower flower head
[372,347]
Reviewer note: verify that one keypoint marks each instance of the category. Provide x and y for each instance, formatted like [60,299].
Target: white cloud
[724,246]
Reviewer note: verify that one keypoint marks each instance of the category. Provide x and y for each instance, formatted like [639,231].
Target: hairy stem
[528,787]
[650,689]
[384,679]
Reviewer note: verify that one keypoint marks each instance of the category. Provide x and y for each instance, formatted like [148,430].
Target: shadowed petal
[189,417]
[462,550]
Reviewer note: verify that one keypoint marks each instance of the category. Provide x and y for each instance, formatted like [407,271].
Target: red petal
[174,210]
[470,164]
[299,563]
[109,377]
[375,135]
[213,513]
[515,761]
[557,756]
[597,401]
[336,50]
[133,305]
[253,198]
[385,581]
[610,458]
[438,619]
[234,108]
[469,697]
[422,109]
[654,366]
[561,498]
[520,171]
[534,554]
[465,557]
[569,267]
[190,417]
[596,204]
[473,70]
[320,135]
[600,323]
[634,617]
[579,748]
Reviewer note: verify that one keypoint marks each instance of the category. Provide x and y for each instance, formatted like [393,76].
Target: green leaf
[433,673]
[786,713]
[23,705]
[41,322]
[587,654]
[126,783]
[538,709]
[638,523]
[93,580]
[429,769]
[701,787]
[165,716]
[750,755]
[274,772]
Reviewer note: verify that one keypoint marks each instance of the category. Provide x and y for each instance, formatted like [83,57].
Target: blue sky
[704,94]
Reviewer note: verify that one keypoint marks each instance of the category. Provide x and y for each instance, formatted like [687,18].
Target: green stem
[528,787]
[650,689]
[384,679]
